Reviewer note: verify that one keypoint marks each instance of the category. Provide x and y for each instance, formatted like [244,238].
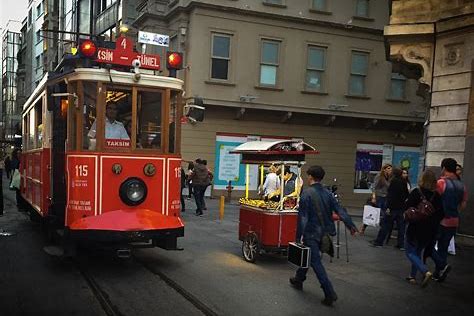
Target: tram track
[201,306]
[111,309]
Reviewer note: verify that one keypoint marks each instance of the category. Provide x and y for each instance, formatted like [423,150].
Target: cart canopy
[274,151]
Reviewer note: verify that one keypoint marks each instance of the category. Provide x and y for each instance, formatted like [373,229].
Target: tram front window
[118,114]
[149,120]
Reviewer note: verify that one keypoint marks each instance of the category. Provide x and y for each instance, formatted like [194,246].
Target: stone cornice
[260,14]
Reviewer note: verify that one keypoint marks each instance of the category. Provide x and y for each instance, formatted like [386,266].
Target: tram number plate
[117,143]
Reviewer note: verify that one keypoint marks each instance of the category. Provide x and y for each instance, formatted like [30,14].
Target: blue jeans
[387,225]
[198,191]
[413,251]
[318,268]
[440,256]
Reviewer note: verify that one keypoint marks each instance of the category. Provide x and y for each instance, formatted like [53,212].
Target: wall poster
[371,157]
[228,166]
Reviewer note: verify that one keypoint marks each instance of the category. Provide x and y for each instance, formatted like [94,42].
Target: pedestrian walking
[15,181]
[454,198]
[314,221]
[397,193]
[200,178]
[210,176]
[406,178]
[8,167]
[379,191]
[189,180]
[419,234]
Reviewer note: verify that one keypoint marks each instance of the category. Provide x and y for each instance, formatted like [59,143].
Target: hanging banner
[153,39]
[408,158]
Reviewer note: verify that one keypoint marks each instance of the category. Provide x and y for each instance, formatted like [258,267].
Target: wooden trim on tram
[71,87]
[134,117]
[79,116]
[165,126]
[179,114]
[100,117]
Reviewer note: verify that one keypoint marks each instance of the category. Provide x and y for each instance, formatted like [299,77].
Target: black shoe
[444,273]
[329,300]
[205,208]
[296,284]
[199,214]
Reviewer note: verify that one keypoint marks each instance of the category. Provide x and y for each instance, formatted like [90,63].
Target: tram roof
[104,75]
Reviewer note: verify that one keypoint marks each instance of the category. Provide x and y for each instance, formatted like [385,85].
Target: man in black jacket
[200,178]
[397,193]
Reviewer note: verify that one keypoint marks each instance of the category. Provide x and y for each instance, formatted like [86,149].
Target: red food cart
[269,225]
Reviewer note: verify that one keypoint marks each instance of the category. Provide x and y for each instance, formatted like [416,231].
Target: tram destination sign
[124,55]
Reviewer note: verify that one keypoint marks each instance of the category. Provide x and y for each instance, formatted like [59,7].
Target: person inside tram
[113,128]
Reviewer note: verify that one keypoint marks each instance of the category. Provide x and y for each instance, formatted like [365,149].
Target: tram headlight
[133,191]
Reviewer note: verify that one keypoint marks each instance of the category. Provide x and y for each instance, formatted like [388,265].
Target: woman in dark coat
[397,193]
[15,164]
[419,234]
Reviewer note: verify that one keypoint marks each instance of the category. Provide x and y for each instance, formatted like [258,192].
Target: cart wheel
[250,247]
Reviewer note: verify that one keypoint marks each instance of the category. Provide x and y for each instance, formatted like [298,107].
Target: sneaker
[296,284]
[444,273]
[411,280]
[426,279]
[375,244]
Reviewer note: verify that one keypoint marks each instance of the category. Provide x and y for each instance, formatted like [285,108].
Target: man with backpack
[454,198]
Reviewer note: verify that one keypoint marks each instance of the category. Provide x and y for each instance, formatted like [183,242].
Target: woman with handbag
[379,191]
[420,233]
[15,181]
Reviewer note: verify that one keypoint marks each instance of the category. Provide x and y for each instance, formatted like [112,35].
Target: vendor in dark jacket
[318,203]
[419,234]
[397,193]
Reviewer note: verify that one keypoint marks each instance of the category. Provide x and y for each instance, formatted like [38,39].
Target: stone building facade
[433,41]
[300,69]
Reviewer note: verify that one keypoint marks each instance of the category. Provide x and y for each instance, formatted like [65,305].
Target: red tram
[101,149]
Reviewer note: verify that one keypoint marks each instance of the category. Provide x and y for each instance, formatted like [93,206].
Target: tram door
[59,108]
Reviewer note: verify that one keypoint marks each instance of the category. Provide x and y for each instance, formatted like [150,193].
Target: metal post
[347,245]
[221,208]
[338,243]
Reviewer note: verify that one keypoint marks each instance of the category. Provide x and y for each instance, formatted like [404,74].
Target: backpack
[421,212]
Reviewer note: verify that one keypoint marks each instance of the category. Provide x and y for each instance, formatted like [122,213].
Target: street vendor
[292,188]
[272,182]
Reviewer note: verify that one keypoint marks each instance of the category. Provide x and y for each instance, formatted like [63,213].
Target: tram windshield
[126,118]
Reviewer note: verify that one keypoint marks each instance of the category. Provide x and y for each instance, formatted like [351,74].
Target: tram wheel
[250,247]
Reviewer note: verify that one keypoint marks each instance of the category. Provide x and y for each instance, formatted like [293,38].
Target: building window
[38,36]
[104,4]
[362,8]
[269,63]
[30,17]
[319,5]
[220,56]
[278,2]
[398,87]
[316,65]
[38,61]
[359,67]
[39,10]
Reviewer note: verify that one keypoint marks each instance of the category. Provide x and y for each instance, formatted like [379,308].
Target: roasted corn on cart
[268,224]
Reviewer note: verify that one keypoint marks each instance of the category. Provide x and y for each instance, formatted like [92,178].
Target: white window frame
[262,63]
[364,76]
[229,59]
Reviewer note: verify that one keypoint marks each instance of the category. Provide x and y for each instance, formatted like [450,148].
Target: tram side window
[89,112]
[31,129]
[149,120]
[118,114]
[39,124]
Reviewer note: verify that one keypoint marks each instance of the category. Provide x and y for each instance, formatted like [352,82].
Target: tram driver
[113,128]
